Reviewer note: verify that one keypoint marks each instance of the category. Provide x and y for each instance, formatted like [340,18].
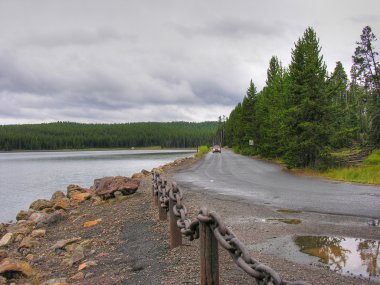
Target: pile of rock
[24,235]
[176,163]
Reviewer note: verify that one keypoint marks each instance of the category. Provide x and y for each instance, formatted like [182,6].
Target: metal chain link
[264,275]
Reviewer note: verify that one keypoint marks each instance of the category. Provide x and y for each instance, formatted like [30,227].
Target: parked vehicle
[216,148]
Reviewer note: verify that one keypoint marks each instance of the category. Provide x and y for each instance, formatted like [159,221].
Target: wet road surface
[261,182]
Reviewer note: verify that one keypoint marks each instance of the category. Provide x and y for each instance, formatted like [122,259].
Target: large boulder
[107,186]
[41,204]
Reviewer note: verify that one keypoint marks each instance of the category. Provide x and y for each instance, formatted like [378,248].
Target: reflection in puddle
[344,255]
[288,211]
[374,223]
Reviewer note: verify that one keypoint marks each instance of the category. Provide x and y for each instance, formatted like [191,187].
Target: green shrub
[202,150]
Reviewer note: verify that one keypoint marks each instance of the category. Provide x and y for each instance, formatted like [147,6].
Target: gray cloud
[102,35]
[155,61]
[365,19]
[234,28]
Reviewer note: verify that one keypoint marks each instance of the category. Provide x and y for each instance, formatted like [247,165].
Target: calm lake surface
[27,176]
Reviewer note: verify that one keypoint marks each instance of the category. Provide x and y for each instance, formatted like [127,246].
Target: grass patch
[373,158]
[367,172]
[202,150]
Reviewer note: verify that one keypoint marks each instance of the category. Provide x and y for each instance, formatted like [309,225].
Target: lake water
[27,176]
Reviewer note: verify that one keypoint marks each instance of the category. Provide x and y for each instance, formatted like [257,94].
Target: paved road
[265,183]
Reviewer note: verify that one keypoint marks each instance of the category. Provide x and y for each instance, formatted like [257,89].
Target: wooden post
[157,196]
[174,230]
[153,195]
[209,255]
[155,199]
[161,211]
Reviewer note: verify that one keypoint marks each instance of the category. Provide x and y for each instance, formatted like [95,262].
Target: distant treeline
[304,113]
[67,135]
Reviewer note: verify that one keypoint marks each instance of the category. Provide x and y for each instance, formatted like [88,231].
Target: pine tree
[308,116]
[337,85]
[366,71]
[248,117]
[270,107]
[345,124]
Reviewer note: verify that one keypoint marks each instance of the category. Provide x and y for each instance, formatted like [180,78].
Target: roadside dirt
[130,244]
[261,230]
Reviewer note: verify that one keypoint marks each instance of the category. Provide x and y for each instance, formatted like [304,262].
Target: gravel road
[261,182]
[257,222]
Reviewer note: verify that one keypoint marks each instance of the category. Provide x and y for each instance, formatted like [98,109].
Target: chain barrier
[264,275]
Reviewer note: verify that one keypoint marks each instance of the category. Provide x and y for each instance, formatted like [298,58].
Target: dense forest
[304,113]
[66,135]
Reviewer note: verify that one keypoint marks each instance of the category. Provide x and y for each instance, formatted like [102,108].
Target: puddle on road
[287,221]
[348,256]
[374,223]
[288,211]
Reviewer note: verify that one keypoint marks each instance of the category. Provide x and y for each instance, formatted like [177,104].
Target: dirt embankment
[129,245]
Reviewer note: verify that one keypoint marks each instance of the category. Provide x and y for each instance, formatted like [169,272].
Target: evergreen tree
[309,120]
[65,135]
[270,111]
[345,112]
[366,71]
[248,116]
[338,84]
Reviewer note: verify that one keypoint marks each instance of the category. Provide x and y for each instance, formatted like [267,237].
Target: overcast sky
[127,61]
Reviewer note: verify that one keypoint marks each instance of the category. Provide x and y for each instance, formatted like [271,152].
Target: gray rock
[64,242]
[51,219]
[41,204]
[28,242]
[37,217]
[23,215]
[74,188]
[78,255]
[23,228]
[6,240]
[58,195]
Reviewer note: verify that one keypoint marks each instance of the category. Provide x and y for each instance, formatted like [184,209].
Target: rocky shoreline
[46,238]
[101,235]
